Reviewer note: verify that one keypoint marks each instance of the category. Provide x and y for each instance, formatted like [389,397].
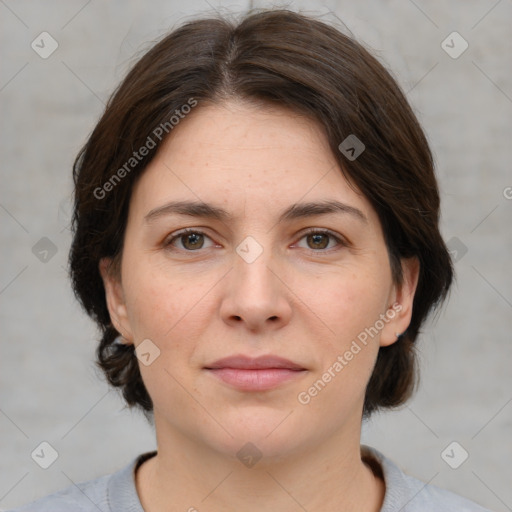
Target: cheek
[347,302]
[170,313]
[349,307]
[169,308]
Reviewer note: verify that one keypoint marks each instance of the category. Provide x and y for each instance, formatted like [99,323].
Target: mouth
[255,374]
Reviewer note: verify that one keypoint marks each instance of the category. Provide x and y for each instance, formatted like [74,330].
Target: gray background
[50,390]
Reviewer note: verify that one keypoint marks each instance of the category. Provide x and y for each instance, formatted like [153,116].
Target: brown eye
[322,241]
[192,241]
[318,241]
[188,240]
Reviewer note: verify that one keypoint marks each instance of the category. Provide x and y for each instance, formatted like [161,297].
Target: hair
[273,58]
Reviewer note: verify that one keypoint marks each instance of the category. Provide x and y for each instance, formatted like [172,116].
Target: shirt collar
[122,492]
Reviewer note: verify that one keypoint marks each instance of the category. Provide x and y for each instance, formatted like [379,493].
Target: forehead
[238,155]
[244,136]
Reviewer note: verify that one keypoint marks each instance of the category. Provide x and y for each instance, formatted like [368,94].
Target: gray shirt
[117,492]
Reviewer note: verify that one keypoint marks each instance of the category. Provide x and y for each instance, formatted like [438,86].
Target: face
[285,273]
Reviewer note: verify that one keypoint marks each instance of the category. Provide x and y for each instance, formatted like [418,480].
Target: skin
[305,299]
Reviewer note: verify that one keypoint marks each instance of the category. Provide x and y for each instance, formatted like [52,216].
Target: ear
[115,298]
[399,313]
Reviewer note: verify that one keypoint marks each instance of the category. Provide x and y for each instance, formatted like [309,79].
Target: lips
[257,363]
[255,374]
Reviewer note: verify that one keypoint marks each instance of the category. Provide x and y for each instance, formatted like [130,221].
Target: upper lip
[254,363]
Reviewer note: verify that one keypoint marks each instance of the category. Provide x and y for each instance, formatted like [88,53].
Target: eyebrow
[295,211]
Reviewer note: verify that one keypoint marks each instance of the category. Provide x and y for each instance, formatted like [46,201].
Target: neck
[193,477]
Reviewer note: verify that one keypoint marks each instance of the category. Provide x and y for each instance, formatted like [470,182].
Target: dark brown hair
[271,57]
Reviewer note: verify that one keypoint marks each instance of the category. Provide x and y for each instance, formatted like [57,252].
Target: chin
[271,434]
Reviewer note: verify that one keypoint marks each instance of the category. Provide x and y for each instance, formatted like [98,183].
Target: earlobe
[401,310]
[115,298]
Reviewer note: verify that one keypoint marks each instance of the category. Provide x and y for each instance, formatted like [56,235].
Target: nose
[256,295]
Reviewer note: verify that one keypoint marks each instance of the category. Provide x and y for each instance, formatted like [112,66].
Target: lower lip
[255,380]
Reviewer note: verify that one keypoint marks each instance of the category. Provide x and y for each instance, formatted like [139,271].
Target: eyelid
[175,235]
[342,241]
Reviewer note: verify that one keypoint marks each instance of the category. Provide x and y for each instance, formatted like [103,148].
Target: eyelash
[312,231]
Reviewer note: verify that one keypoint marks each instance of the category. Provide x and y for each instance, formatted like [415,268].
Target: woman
[256,235]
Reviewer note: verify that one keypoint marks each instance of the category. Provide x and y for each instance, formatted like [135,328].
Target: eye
[190,240]
[318,240]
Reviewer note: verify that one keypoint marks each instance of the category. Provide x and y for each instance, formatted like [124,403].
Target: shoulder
[409,494]
[109,493]
[82,497]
